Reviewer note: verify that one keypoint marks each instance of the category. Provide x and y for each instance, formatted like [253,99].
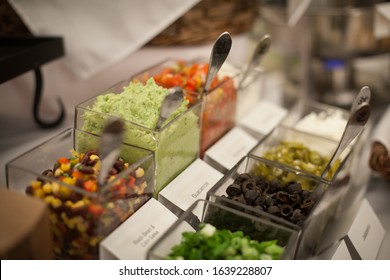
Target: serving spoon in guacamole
[172,101]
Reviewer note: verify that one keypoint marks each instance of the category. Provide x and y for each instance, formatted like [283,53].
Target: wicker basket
[207,20]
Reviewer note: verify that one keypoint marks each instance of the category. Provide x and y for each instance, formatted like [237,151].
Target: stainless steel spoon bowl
[219,53]
[261,49]
[356,123]
[171,102]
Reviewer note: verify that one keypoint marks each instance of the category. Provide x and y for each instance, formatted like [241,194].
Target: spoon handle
[259,52]
[219,53]
[110,143]
[354,126]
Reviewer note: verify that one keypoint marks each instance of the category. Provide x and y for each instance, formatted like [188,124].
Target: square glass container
[304,152]
[81,212]
[224,217]
[329,122]
[318,119]
[219,103]
[250,91]
[175,145]
[288,197]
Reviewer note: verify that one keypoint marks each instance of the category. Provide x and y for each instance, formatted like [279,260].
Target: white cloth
[99,33]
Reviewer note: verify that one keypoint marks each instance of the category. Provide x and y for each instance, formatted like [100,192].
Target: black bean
[113,171]
[29,190]
[79,183]
[91,162]
[86,170]
[119,165]
[48,173]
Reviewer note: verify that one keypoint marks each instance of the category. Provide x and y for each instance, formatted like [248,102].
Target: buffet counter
[376,191]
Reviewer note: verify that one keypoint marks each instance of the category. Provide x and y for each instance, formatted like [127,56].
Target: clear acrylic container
[228,218]
[82,213]
[303,151]
[250,91]
[219,104]
[318,119]
[302,200]
[175,145]
[329,122]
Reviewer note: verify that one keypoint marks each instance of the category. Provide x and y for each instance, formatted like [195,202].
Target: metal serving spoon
[110,144]
[364,96]
[171,102]
[219,53]
[356,122]
[261,49]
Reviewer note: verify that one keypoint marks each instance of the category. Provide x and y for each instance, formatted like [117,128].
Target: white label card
[366,232]
[231,148]
[132,239]
[342,252]
[192,184]
[264,117]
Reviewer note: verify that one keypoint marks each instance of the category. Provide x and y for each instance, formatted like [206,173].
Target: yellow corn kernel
[39,193]
[74,153]
[64,191]
[47,188]
[36,184]
[110,205]
[82,227]
[86,200]
[69,181]
[78,204]
[55,188]
[48,199]
[53,219]
[142,187]
[69,203]
[58,172]
[55,202]
[74,161]
[71,223]
[93,241]
[93,157]
[139,172]
[65,166]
